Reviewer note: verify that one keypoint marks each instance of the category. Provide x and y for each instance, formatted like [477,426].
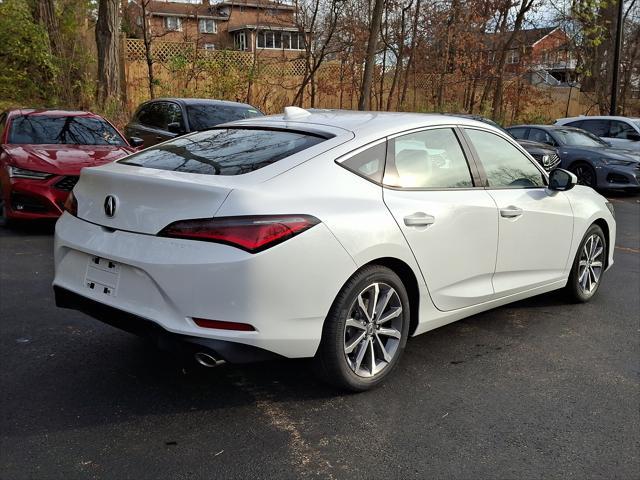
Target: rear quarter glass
[225,151]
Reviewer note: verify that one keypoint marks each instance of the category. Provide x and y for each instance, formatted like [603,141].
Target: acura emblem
[110,206]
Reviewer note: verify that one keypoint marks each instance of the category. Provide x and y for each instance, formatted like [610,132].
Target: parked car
[545,155]
[594,162]
[619,132]
[334,235]
[164,118]
[41,154]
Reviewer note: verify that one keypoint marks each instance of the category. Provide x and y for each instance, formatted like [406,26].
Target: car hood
[63,159]
[608,152]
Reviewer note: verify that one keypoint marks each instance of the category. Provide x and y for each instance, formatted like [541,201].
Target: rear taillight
[71,205]
[250,233]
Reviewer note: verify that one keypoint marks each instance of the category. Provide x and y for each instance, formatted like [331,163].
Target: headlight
[611,209]
[611,161]
[15,172]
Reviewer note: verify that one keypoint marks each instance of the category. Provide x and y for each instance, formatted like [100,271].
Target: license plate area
[102,276]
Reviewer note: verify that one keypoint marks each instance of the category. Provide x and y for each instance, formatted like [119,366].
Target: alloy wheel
[590,264]
[585,175]
[373,329]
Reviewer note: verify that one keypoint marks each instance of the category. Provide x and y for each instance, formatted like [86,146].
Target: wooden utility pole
[615,83]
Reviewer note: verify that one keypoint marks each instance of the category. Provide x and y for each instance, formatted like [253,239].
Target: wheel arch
[410,282]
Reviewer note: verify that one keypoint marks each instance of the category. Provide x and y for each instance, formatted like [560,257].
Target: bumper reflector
[242,327]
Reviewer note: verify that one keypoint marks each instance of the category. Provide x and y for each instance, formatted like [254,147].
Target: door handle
[510,212]
[419,219]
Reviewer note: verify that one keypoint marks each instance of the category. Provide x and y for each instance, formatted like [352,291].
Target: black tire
[332,362]
[586,174]
[576,286]
[4,221]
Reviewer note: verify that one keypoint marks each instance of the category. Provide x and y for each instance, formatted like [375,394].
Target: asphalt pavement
[537,389]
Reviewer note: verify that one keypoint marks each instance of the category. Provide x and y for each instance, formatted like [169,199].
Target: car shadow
[31,228]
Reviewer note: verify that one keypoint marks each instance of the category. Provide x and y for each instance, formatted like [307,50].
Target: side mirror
[633,136]
[561,180]
[175,127]
[136,142]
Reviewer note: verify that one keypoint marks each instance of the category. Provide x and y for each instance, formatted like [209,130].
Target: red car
[41,154]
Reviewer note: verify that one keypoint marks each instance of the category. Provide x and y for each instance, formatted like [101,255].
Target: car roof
[366,124]
[200,101]
[597,117]
[51,112]
[548,127]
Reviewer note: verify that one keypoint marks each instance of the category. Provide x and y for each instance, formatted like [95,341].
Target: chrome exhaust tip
[207,360]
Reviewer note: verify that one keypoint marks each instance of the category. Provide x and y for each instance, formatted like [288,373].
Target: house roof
[277,5]
[523,38]
[279,27]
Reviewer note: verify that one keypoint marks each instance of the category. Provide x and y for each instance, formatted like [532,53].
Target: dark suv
[164,118]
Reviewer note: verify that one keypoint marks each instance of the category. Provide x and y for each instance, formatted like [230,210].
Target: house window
[207,25]
[173,23]
[278,40]
[513,56]
[240,40]
[139,21]
[209,46]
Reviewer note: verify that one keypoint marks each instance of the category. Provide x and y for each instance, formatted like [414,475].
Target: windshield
[225,151]
[202,117]
[68,130]
[577,138]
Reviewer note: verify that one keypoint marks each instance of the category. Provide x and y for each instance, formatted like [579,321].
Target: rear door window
[228,151]
[428,159]
[597,127]
[206,116]
[518,132]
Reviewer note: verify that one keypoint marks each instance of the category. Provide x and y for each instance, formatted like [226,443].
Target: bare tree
[372,45]
[107,41]
[319,20]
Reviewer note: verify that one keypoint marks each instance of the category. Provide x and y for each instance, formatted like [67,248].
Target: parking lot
[535,389]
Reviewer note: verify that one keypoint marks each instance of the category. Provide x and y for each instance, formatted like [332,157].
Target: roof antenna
[291,113]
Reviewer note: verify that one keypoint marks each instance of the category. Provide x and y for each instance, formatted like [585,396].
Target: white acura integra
[325,234]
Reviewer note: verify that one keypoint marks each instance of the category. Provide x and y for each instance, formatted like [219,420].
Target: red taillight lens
[252,233]
[240,327]
[71,205]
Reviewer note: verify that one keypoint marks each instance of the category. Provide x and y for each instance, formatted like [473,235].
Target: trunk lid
[147,200]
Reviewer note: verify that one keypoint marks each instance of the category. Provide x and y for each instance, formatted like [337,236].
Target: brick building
[265,26]
[543,53]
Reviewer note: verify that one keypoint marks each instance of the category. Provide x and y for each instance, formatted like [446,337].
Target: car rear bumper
[186,345]
[284,292]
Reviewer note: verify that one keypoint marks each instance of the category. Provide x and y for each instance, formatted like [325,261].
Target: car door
[450,223]
[535,223]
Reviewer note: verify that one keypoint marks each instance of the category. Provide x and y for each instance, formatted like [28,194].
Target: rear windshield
[202,117]
[227,151]
[68,130]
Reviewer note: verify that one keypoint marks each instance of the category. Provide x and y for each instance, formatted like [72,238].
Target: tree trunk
[414,46]
[367,78]
[107,36]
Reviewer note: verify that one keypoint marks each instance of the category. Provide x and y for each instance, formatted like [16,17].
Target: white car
[619,132]
[307,235]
